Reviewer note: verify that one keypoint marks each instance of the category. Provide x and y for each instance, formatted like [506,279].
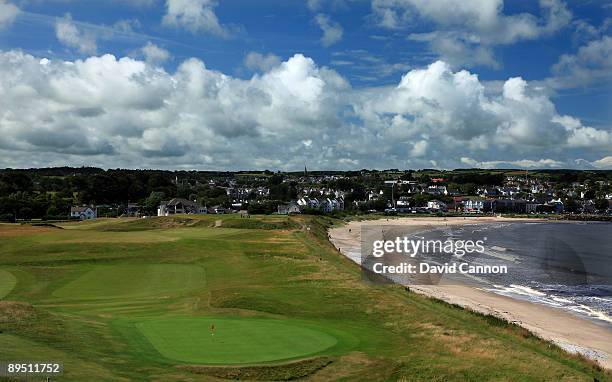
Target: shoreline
[593,341]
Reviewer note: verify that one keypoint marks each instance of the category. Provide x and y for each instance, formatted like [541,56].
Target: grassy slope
[268,267]
[7,283]
[133,280]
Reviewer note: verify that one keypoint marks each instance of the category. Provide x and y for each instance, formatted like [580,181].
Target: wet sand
[570,332]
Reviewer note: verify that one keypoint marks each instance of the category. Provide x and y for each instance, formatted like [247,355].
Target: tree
[589,194]
[469,189]
[570,205]
[601,204]
[152,202]
[25,213]
[264,207]
[52,212]
[12,182]
[407,175]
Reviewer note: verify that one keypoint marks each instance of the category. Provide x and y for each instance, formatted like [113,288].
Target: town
[89,193]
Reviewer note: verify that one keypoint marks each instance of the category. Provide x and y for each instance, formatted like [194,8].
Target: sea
[566,265]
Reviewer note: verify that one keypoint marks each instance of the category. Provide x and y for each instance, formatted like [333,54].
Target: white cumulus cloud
[125,112]
[69,34]
[154,54]
[261,62]
[465,32]
[523,163]
[8,13]
[194,16]
[604,163]
[332,31]
[592,63]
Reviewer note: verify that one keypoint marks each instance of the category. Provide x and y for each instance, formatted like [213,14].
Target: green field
[134,299]
[234,340]
[134,280]
[7,282]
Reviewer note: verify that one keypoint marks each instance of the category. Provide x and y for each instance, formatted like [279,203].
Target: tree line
[49,192]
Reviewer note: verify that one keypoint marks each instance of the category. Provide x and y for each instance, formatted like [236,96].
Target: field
[233,340]
[132,281]
[220,297]
[7,282]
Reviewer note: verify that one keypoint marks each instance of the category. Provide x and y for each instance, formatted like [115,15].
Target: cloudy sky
[335,84]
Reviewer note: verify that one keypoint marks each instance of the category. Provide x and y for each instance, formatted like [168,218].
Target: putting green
[106,281]
[235,340]
[7,282]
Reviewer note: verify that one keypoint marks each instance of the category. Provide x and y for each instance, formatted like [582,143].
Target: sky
[331,84]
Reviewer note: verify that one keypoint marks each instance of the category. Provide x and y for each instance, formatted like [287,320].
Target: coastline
[552,324]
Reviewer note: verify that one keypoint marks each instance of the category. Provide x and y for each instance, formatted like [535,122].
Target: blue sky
[560,50]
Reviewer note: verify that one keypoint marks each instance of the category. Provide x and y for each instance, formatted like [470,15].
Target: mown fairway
[133,280]
[7,282]
[137,299]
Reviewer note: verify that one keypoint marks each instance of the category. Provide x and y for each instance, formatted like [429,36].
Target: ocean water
[567,265]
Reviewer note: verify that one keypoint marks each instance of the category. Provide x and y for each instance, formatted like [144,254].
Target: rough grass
[17,230]
[283,372]
[259,223]
[264,268]
[15,313]
[152,223]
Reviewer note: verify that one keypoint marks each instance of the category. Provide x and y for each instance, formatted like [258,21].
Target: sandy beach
[570,332]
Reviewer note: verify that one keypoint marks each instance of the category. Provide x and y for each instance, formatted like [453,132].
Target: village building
[288,208]
[180,206]
[474,205]
[84,212]
[219,210]
[132,210]
[436,205]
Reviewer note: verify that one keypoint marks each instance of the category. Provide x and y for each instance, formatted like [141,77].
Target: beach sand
[570,332]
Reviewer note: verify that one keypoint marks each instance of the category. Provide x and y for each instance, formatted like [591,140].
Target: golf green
[7,282]
[233,340]
[139,280]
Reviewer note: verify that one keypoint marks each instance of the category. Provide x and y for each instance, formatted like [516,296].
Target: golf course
[213,298]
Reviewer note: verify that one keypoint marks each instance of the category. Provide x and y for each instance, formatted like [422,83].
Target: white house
[436,205]
[488,192]
[452,192]
[473,205]
[509,191]
[180,206]
[219,210]
[326,205]
[307,202]
[374,195]
[435,190]
[84,213]
[289,208]
[403,201]
[329,205]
